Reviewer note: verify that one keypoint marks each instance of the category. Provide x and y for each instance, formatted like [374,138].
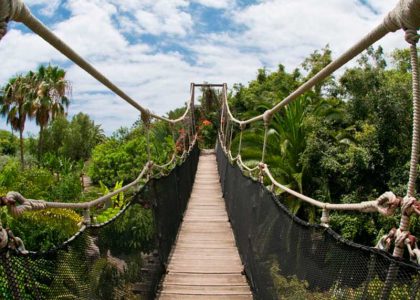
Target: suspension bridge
[220,234]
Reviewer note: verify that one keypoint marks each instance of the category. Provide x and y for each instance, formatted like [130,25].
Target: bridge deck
[205,263]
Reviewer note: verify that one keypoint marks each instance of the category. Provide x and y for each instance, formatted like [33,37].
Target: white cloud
[290,30]
[155,17]
[47,7]
[216,3]
[273,32]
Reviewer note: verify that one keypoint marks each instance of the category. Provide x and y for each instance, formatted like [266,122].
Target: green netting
[288,258]
[116,260]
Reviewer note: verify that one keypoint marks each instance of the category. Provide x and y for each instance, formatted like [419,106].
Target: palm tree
[287,141]
[14,105]
[50,97]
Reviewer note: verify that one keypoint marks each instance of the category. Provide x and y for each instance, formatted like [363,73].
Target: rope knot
[17,204]
[12,10]
[413,250]
[411,36]
[4,239]
[404,16]
[387,203]
[267,116]
[385,241]
[146,117]
[408,204]
[15,243]
[400,238]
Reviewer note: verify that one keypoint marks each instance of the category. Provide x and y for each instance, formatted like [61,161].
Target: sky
[154,49]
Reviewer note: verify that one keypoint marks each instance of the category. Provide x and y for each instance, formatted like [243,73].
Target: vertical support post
[325,218]
[231,135]
[222,120]
[267,116]
[264,143]
[240,139]
[412,38]
[192,110]
[86,216]
[226,132]
[149,156]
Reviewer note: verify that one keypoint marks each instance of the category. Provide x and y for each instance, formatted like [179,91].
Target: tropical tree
[285,143]
[50,98]
[15,104]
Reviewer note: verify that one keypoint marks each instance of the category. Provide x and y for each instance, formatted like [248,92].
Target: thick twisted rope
[412,38]
[386,204]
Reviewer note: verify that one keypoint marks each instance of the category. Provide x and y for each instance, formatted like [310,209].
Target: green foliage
[42,230]
[291,288]
[8,143]
[67,189]
[73,140]
[132,231]
[116,160]
[123,156]
[117,202]
[39,183]
[373,290]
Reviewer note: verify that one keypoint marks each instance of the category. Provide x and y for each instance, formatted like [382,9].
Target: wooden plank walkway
[205,263]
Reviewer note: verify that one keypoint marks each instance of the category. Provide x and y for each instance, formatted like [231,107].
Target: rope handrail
[364,206]
[13,198]
[404,16]
[386,204]
[16,10]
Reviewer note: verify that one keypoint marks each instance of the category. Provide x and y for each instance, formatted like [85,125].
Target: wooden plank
[200,270]
[205,279]
[167,296]
[207,290]
[207,251]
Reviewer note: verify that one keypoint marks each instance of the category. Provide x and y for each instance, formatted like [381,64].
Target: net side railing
[287,258]
[113,260]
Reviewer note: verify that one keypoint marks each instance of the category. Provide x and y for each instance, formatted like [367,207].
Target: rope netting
[118,259]
[288,258]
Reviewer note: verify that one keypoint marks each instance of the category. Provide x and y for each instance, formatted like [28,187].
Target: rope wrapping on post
[404,16]
[412,38]
[385,241]
[14,10]
[17,204]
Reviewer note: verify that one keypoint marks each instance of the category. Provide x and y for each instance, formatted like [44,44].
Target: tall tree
[50,98]
[14,105]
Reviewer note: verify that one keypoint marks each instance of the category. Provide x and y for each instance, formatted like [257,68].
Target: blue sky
[153,49]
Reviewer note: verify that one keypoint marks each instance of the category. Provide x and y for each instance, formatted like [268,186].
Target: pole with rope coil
[402,233]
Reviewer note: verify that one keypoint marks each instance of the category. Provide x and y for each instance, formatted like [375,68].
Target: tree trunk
[21,149]
[41,131]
